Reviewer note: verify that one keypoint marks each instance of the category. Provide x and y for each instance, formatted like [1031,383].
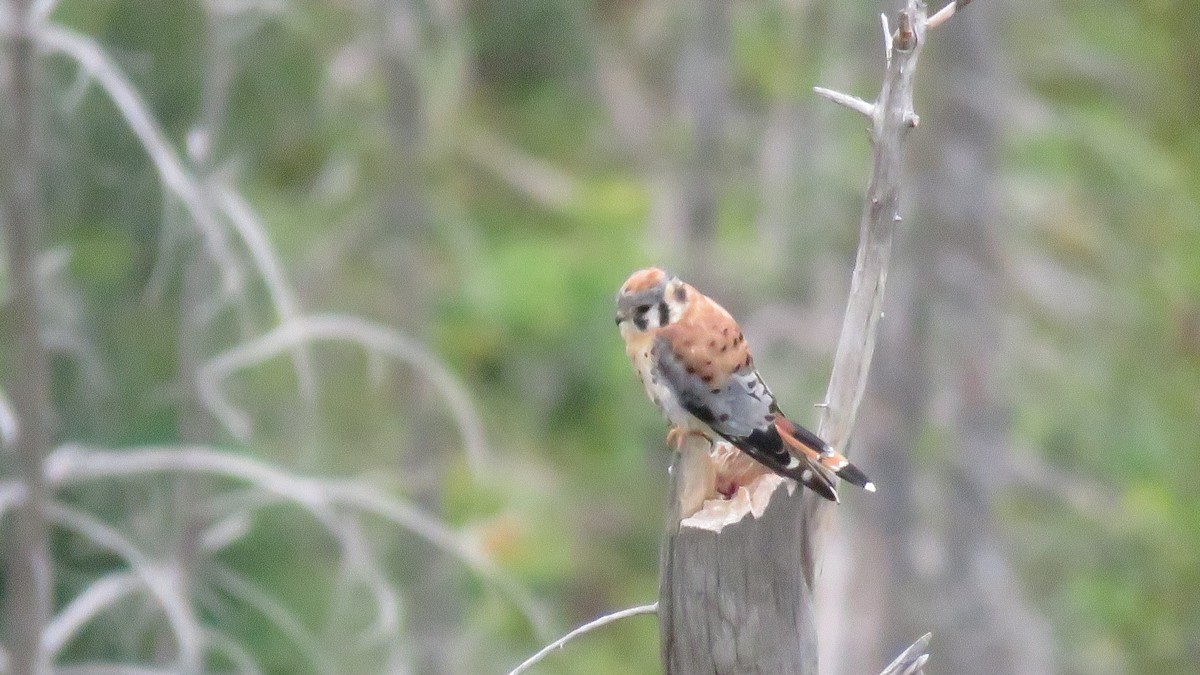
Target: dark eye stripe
[664,314]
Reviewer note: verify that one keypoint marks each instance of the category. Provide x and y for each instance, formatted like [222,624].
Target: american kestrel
[695,365]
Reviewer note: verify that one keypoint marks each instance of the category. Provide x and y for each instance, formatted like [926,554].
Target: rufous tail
[807,445]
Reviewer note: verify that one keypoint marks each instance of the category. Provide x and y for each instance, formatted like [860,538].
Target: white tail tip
[869,487]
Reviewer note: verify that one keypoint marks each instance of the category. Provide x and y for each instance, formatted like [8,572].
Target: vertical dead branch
[892,116]
[740,600]
[28,584]
[943,342]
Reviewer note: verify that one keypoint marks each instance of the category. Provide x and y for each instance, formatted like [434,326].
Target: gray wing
[742,410]
[733,408]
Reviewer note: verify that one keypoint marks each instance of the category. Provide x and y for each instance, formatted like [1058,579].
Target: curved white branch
[280,616]
[95,599]
[585,628]
[250,228]
[370,336]
[911,660]
[73,464]
[160,580]
[175,176]
[370,499]
[236,651]
[11,494]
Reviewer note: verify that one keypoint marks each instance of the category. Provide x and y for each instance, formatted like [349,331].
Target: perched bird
[695,365]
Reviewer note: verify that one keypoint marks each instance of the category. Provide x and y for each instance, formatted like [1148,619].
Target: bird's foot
[676,437]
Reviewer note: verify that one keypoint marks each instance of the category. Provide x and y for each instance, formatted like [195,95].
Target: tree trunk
[737,601]
[28,584]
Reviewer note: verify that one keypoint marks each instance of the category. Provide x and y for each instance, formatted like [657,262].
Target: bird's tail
[806,445]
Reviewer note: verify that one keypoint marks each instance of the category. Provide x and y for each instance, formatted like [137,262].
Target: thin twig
[253,233]
[911,660]
[8,422]
[585,628]
[280,616]
[546,185]
[943,15]
[100,595]
[852,102]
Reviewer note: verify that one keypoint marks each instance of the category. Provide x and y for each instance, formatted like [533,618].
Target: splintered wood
[720,485]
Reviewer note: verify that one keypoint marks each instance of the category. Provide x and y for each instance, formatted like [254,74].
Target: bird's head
[650,299]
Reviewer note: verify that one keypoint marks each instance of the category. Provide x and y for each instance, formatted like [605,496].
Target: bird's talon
[676,437]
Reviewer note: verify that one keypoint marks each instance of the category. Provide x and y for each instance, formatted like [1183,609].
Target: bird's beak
[620,318]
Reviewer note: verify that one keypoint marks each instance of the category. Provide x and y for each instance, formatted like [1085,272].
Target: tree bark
[737,601]
[28,583]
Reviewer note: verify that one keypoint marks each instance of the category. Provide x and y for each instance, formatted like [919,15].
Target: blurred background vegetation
[478,176]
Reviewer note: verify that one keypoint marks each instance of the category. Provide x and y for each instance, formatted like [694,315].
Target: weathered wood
[735,601]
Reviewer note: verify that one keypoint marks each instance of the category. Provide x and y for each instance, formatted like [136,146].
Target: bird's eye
[642,309]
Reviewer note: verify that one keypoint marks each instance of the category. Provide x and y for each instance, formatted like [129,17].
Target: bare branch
[887,40]
[42,9]
[280,616]
[852,102]
[546,185]
[100,595]
[370,336]
[253,233]
[912,660]
[175,176]
[235,650]
[72,464]
[12,493]
[161,580]
[943,15]
[29,570]
[370,499]
[892,120]
[225,532]
[359,560]
[585,628]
